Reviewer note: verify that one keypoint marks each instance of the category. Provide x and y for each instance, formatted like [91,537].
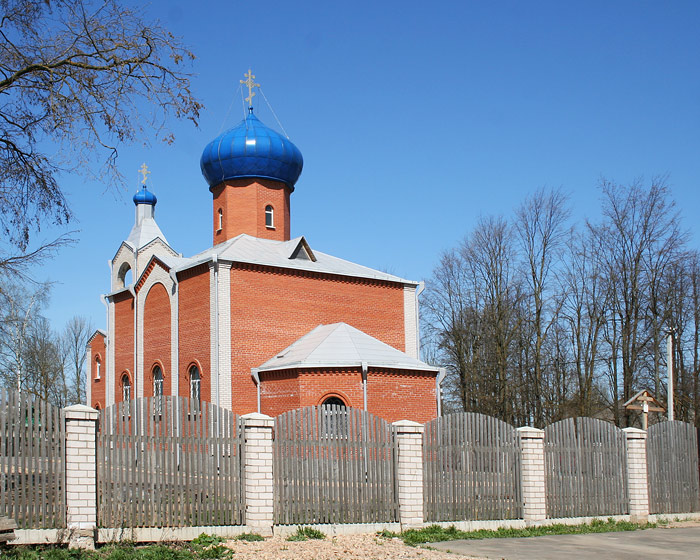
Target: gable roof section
[286,254]
[98,332]
[341,345]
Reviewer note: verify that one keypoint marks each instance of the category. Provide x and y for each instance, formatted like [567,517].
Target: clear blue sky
[414,118]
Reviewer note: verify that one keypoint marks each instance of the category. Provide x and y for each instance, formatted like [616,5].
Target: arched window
[98,365]
[195,385]
[157,391]
[124,276]
[334,401]
[126,388]
[220,217]
[157,382]
[269,216]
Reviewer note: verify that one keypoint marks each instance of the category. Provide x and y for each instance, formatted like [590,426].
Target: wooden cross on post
[646,402]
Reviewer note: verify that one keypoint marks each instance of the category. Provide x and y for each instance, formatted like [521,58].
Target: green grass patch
[250,537]
[436,533]
[306,533]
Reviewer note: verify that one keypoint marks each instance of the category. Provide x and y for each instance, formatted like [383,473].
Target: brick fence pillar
[81,475]
[257,473]
[532,475]
[637,483]
[409,440]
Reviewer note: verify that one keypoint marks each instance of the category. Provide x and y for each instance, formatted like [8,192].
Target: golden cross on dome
[143,170]
[250,83]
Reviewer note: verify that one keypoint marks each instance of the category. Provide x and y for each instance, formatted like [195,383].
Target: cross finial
[143,170]
[250,83]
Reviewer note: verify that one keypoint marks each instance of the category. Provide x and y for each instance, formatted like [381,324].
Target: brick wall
[98,351]
[391,394]
[123,341]
[243,202]
[156,335]
[272,308]
[194,328]
[401,395]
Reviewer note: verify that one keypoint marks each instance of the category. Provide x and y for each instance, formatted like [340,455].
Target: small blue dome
[251,149]
[144,196]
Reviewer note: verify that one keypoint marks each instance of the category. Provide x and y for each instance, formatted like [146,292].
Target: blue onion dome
[250,149]
[144,196]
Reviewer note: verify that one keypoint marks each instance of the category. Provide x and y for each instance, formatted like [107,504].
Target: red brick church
[259,321]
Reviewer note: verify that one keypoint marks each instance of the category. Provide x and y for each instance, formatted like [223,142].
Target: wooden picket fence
[334,465]
[585,468]
[32,462]
[471,469]
[672,465]
[169,462]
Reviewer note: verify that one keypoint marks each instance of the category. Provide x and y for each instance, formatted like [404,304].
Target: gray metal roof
[144,232]
[339,345]
[286,254]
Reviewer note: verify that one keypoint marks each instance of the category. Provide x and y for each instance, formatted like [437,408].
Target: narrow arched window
[157,391]
[98,365]
[126,388]
[220,217]
[195,385]
[269,216]
[157,382]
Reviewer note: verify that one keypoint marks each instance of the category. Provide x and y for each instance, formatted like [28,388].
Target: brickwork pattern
[259,482]
[97,350]
[243,201]
[81,474]
[532,477]
[271,308]
[637,482]
[157,333]
[123,341]
[194,328]
[409,472]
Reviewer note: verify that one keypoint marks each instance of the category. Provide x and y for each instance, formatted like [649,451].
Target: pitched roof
[340,345]
[294,254]
[144,232]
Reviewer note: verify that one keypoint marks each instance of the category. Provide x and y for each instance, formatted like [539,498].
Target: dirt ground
[342,547]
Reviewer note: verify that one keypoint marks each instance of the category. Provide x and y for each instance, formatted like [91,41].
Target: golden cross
[250,82]
[143,170]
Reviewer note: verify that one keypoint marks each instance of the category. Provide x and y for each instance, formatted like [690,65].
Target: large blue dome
[251,149]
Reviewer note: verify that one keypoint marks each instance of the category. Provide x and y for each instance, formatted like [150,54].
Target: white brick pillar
[532,476]
[409,442]
[257,472]
[81,475]
[637,483]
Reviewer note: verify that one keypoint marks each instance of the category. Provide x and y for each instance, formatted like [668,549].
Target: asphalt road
[682,542]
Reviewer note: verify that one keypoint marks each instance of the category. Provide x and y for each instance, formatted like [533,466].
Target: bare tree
[541,227]
[82,77]
[73,342]
[639,238]
[19,309]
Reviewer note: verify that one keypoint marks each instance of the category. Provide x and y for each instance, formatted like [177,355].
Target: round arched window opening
[124,275]
[126,388]
[334,401]
[269,216]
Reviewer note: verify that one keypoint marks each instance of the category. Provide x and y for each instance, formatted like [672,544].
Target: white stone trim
[125,254]
[110,374]
[225,398]
[410,321]
[174,339]
[212,373]
[89,379]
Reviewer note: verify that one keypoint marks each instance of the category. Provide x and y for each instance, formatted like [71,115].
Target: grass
[436,533]
[306,533]
[204,547]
